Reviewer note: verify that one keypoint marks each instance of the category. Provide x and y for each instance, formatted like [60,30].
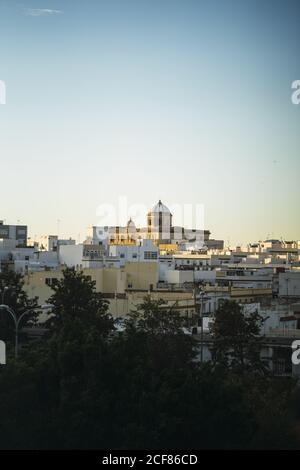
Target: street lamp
[17,320]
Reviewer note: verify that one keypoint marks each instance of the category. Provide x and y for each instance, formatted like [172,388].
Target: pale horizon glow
[184,101]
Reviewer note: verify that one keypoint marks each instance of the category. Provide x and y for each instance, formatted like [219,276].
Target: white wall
[289,284]
[209,276]
[71,255]
[135,253]
[176,276]
[165,264]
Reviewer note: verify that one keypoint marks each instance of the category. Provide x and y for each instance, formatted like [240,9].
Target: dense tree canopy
[75,301]
[237,339]
[88,385]
[13,295]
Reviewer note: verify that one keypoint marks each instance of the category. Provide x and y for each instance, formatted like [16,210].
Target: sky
[187,101]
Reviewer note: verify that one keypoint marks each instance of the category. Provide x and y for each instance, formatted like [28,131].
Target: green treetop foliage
[159,329]
[156,318]
[75,301]
[237,339]
[88,386]
[13,295]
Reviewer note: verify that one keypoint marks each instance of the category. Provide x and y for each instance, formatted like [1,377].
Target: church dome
[160,207]
[130,224]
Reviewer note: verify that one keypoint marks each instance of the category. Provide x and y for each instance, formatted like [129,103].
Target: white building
[14,232]
[71,255]
[53,243]
[289,284]
[159,229]
[145,250]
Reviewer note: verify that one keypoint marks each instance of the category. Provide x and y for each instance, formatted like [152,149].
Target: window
[150,255]
[50,281]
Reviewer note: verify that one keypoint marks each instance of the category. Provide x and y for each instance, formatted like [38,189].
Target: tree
[236,339]
[159,328]
[80,329]
[168,400]
[13,295]
[76,302]
[155,317]
[91,387]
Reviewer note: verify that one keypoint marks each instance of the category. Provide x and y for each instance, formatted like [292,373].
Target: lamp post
[17,321]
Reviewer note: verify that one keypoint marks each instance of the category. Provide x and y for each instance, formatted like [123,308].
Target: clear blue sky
[185,101]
